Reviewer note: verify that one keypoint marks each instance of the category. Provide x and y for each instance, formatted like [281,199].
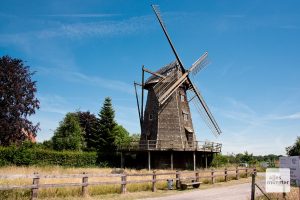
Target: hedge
[36,156]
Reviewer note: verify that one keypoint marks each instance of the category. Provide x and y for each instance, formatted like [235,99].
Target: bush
[22,156]
[294,150]
[219,161]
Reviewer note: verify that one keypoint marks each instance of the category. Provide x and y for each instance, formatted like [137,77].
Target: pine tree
[106,137]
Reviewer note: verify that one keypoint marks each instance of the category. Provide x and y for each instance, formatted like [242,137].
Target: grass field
[294,194]
[138,190]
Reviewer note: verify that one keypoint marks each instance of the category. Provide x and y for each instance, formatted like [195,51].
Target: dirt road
[233,192]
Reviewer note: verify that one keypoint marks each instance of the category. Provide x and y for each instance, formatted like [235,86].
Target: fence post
[123,183]
[225,178]
[84,189]
[246,172]
[237,173]
[253,187]
[34,191]
[212,176]
[178,180]
[254,171]
[154,181]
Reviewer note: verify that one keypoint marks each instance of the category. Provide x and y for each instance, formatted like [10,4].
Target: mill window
[185,116]
[182,98]
[150,116]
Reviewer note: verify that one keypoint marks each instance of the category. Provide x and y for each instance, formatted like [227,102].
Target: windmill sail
[164,84]
[205,112]
[199,64]
[168,85]
[157,13]
[164,91]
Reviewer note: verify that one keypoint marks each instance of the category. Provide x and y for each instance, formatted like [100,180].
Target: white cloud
[100,82]
[82,15]
[53,104]
[285,117]
[96,81]
[248,129]
[103,28]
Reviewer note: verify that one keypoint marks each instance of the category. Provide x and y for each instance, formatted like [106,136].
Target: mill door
[189,136]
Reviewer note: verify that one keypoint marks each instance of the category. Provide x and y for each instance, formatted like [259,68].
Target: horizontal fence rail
[172,145]
[178,176]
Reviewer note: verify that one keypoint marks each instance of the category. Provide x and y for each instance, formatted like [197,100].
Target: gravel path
[233,192]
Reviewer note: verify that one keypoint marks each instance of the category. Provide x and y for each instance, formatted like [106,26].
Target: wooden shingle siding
[167,122]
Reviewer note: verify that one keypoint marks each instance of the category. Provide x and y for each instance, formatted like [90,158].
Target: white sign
[293,163]
[278,180]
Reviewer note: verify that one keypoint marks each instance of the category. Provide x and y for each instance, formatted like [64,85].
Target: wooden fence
[154,178]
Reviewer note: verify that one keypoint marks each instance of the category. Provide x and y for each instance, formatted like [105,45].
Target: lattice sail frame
[167,86]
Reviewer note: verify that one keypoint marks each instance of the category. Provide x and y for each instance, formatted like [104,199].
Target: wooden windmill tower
[167,118]
[167,133]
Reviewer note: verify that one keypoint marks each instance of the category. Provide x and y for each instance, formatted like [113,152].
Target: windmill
[167,118]
[167,133]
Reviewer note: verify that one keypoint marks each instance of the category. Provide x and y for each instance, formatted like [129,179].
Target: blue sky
[84,51]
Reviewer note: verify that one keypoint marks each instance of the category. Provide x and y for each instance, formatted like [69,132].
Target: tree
[219,160]
[89,124]
[69,136]
[47,144]
[294,150]
[135,137]
[106,135]
[248,158]
[121,135]
[17,101]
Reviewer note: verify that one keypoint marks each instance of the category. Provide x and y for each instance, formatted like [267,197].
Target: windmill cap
[163,71]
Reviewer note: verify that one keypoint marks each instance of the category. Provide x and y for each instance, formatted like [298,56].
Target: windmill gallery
[167,137]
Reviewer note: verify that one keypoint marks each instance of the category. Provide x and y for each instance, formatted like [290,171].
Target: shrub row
[35,156]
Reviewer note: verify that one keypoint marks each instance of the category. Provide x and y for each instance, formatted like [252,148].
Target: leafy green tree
[294,150]
[47,144]
[135,137]
[17,101]
[248,158]
[69,136]
[233,159]
[219,160]
[238,158]
[121,135]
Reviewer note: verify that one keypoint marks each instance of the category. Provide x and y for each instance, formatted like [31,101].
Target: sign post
[292,162]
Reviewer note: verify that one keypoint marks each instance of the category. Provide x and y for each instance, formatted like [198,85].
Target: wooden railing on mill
[161,145]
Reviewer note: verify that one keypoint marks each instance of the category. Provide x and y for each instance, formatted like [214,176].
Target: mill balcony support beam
[149,160]
[172,164]
[194,160]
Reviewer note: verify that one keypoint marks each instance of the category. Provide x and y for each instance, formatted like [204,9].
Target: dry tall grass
[294,194]
[92,190]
